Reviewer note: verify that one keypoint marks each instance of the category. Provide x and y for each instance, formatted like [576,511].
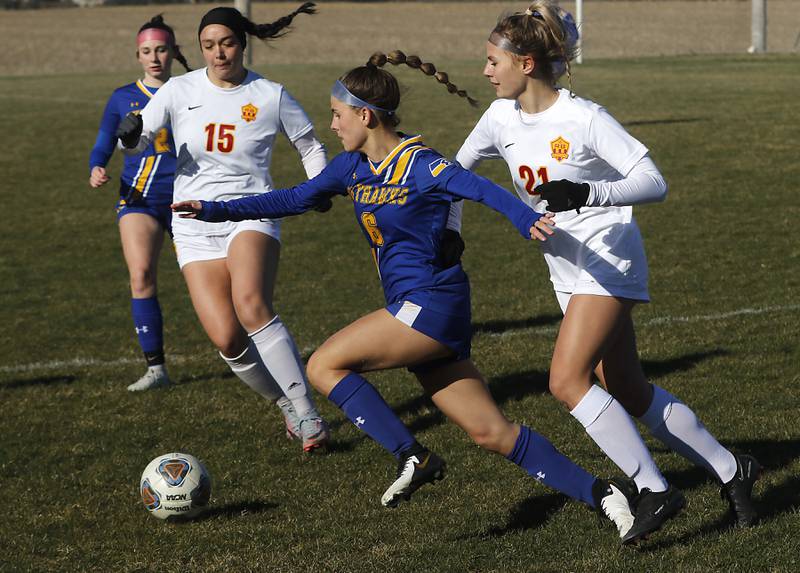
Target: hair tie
[534,13]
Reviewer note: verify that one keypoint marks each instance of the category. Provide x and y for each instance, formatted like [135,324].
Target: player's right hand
[187,209]
[543,227]
[129,130]
[98,177]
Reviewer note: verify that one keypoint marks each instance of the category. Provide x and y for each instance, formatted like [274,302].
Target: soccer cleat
[739,491]
[152,379]
[413,471]
[314,433]
[289,418]
[652,510]
[612,499]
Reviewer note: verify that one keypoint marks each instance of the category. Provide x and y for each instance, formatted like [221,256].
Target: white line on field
[178,359]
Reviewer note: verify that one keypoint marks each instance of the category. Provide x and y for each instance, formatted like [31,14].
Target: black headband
[228,17]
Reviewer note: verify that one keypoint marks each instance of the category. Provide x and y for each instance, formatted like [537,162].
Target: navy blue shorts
[161,213]
[452,330]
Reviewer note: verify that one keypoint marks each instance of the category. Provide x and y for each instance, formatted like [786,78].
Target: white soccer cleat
[612,501]
[289,418]
[152,379]
[314,432]
[413,471]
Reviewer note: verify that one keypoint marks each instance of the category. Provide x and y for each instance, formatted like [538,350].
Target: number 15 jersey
[223,137]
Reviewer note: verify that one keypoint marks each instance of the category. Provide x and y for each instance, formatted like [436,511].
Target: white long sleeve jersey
[573,139]
[224,138]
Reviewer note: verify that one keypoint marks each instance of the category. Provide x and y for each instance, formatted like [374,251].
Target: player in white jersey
[569,156]
[224,119]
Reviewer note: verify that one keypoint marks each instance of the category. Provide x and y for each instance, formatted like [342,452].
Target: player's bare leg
[676,425]
[253,266]
[591,326]
[142,237]
[379,341]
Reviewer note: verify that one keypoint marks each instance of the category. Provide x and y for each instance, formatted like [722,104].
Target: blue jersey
[149,175]
[402,205]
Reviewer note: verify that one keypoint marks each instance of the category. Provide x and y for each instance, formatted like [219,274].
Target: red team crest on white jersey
[249,112]
[559,148]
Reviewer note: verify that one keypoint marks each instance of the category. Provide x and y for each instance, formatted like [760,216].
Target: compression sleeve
[280,202]
[312,153]
[643,184]
[106,140]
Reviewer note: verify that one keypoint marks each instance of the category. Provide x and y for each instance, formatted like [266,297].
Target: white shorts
[192,248]
[605,261]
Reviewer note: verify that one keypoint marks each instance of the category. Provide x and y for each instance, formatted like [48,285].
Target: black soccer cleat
[413,471]
[651,511]
[739,491]
[612,500]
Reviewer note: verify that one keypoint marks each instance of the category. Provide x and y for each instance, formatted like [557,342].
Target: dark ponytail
[241,26]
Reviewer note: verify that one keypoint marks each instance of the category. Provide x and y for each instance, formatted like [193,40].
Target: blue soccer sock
[149,328]
[536,455]
[366,408]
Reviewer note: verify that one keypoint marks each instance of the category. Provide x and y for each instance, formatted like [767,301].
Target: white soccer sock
[610,426]
[280,356]
[674,423]
[250,370]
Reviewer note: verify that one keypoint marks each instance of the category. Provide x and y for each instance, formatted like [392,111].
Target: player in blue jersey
[145,192]
[401,192]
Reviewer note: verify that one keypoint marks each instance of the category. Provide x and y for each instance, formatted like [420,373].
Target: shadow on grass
[500,326]
[669,121]
[531,513]
[236,510]
[43,381]
[659,368]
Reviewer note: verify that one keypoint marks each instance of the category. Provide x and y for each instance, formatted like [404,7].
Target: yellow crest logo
[559,148]
[249,112]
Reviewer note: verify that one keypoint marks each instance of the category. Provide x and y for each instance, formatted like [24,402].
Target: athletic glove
[324,205]
[564,195]
[450,249]
[129,130]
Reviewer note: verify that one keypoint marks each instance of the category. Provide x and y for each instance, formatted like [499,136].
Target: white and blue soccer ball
[175,486]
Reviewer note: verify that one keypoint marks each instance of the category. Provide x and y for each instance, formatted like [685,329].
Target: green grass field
[722,333]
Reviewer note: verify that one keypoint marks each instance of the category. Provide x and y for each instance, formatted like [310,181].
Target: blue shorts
[161,213]
[452,330]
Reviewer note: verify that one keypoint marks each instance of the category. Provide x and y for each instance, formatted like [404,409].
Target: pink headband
[154,34]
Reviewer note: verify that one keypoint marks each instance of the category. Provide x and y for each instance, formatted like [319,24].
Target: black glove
[564,195]
[129,130]
[450,249]
[324,205]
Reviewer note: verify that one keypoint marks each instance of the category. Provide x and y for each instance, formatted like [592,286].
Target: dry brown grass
[101,39]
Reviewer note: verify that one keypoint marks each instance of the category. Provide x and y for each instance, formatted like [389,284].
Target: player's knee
[230,344]
[251,310]
[316,370]
[143,282]
[567,384]
[491,437]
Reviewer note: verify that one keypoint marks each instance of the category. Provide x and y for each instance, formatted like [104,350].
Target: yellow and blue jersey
[402,205]
[148,176]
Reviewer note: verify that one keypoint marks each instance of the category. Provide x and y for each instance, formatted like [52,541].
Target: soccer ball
[175,486]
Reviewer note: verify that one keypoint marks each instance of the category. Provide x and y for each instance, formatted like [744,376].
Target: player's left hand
[564,195]
[187,209]
[543,227]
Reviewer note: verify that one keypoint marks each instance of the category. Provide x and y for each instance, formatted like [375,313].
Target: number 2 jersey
[150,174]
[224,137]
[402,205]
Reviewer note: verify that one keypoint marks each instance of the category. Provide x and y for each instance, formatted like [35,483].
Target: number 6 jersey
[223,137]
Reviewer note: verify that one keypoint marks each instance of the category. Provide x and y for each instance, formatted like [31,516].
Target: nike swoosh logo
[191,107]
[424,463]
[505,146]
[656,512]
